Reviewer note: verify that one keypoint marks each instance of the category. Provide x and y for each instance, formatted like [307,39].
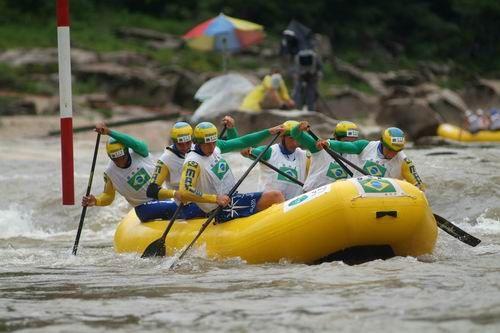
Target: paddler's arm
[231,131]
[410,174]
[103,199]
[303,138]
[140,147]
[187,186]
[354,147]
[256,152]
[247,140]
[155,191]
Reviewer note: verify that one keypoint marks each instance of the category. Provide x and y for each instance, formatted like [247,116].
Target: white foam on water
[487,225]
[484,225]
[16,221]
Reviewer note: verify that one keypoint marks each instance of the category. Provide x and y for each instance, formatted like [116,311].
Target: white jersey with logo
[325,170]
[376,165]
[174,164]
[133,181]
[294,165]
[216,176]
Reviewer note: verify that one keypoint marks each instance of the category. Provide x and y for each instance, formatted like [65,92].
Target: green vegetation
[378,35]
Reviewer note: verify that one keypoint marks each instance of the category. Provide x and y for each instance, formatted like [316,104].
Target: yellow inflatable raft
[309,228]
[456,133]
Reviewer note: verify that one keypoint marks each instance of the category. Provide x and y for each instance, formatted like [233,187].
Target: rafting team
[193,170]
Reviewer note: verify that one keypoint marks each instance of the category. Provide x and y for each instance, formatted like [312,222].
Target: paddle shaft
[224,129]
[272,167]
[172,220]
[231,192]
[89,186]
[442,223]
[339,159]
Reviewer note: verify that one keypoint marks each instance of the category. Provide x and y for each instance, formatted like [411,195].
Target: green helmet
[393,138]
[205,132]
[181,132]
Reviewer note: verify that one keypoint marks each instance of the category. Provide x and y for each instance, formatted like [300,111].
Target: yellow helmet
[205,132]
[181,132]
[115,149]
[289,124]
[393,138]
[346,129]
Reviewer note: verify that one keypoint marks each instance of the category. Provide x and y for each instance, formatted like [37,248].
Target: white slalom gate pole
[65,103]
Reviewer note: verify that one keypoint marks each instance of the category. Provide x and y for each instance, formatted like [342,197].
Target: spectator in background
[494,120]
[307,73]
[270,94]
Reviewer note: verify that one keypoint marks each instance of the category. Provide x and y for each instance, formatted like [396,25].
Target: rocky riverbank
[119,84]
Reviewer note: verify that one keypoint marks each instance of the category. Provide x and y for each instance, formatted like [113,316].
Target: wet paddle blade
[456,232]
[155,249]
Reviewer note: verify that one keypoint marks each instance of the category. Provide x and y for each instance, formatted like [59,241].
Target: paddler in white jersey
[324,169]
[288,158]
[381,158]
[168,171]
[128,172]
[207,177]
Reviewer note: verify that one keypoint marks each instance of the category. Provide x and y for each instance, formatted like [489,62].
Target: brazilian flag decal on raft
[373,185]
[139,179]
[220,169]
[374,169]
[289,171]
[335,171]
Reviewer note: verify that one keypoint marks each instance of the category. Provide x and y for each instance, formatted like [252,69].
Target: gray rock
[412,115]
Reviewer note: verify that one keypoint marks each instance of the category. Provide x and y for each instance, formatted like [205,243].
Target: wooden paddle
[231,192]
[442,223]
[89,186]
[157,248]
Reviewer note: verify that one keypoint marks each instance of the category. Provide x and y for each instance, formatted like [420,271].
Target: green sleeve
[304,139]
[232,133]
[242,142]
[256,152]
[140,147]
[354,147]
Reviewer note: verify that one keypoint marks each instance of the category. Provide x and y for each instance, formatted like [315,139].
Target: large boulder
[449,106]
[348,103]
[412,115]
[484,93]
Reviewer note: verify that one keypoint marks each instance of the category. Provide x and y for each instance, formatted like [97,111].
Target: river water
[43,288]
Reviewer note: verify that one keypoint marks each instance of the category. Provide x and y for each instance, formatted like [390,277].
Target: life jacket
[216,176]
[325,170]
[376,165]
[174,164]
[294,164]
[132,182]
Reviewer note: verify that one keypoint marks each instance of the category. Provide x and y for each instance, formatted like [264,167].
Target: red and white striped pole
[65,102]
